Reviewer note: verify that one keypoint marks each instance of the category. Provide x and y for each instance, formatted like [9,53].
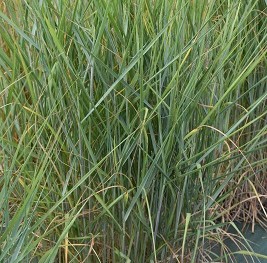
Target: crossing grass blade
[131,129]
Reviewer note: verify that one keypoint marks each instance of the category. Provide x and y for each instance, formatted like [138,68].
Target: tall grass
[131,131]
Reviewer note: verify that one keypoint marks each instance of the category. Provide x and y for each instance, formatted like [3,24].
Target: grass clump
[131,131]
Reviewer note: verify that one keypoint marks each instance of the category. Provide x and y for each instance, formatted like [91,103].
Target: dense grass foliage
[130,131]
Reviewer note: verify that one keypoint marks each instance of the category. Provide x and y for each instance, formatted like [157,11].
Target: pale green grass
[130,131]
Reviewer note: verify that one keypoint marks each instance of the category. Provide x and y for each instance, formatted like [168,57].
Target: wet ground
[257,241]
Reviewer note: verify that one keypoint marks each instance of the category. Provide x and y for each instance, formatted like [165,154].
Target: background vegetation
[131,131]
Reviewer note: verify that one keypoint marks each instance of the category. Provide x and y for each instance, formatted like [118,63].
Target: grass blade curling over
[131,129]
